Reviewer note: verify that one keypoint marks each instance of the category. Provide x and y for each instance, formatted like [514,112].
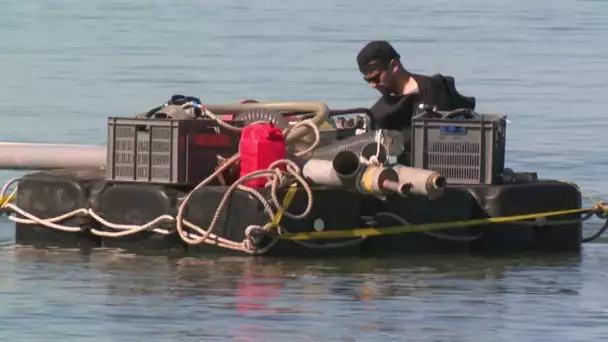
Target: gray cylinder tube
[371,149]
[395,143]
[38,156]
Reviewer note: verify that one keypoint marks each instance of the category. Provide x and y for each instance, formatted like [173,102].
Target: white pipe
[41,156]
[346,164]
[340,171]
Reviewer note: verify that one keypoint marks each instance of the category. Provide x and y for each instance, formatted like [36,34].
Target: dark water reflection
[423,298]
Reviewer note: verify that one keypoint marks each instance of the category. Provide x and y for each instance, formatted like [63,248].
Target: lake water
[68,65]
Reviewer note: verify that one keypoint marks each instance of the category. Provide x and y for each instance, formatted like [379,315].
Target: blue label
[454,129]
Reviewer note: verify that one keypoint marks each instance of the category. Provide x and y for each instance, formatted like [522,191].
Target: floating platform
[169,182]
[51,194]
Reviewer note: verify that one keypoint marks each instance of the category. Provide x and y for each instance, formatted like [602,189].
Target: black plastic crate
[465,151]
[167,151]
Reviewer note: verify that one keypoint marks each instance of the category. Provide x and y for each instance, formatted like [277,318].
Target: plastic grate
[464,151]
[163,150]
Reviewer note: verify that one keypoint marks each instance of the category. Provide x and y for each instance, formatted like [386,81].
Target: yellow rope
[291,193]
[6,199]
[364,232]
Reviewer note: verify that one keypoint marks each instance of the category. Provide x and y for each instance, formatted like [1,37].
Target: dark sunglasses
[376,78]
[373,79]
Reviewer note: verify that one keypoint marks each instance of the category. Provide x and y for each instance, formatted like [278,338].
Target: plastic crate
[465,151]
[166,151]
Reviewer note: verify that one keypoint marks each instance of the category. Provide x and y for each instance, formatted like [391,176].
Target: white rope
[375,159]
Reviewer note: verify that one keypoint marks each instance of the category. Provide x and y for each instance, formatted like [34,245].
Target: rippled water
[109,296]
[67,65]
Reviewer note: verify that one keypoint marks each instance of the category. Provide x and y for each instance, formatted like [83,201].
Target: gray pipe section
[353,144]
[395,142]
[319,108]
[342,171]
[371,149]
[39,156]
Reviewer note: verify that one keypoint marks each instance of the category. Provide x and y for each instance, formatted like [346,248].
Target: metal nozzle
[403,189]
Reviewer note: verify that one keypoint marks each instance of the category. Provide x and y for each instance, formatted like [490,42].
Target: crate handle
[467,113]
[142,128]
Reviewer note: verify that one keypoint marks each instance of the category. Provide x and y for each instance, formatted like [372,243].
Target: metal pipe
[424,182]
[381,181]
[403,189]
[345,170]
[40,156]
[319,108]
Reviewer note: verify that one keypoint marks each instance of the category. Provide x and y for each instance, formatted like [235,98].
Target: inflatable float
[263,179]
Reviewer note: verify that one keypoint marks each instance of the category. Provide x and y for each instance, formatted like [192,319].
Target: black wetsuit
[394,112]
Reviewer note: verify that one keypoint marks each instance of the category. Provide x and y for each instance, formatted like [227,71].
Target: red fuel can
[261,145]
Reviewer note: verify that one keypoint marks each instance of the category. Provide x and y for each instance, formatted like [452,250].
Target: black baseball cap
[375,55]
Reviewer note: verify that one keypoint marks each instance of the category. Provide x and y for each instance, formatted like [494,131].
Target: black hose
[596,235]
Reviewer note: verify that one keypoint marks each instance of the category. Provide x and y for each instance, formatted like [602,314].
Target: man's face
[382,79]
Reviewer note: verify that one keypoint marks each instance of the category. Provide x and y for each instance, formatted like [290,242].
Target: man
[403,92]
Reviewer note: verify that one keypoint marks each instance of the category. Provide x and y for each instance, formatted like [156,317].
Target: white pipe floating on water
[43,156]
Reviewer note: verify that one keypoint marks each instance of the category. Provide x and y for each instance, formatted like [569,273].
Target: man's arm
[456,99]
